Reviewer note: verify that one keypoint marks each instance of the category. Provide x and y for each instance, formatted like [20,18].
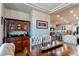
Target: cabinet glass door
[19,26]
[25,26]
[12,25]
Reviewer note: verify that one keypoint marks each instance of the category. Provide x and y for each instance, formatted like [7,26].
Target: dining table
[51,50]
[48,49]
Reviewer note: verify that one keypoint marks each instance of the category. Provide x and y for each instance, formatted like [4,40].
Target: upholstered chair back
[7,49]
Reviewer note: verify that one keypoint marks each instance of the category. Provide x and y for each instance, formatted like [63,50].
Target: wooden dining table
[51,48]
[48,50]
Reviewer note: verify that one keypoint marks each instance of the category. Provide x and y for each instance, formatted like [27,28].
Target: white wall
[1,28]
[36,15]
[9,13]
[34,32]
[0,22]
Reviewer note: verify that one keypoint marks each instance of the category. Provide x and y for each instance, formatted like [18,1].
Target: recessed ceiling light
[74,15]
[77,17]
[58,16]
[64,20]
[56,22]
[67,21]
[61,18]
[71,11]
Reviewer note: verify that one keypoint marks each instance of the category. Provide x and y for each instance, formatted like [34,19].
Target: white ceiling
[44,7]
[47,6]
[18,7]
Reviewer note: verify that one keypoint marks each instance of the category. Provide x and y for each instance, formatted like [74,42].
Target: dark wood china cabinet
[17,32]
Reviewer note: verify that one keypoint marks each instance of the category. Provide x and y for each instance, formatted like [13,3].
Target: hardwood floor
[66,50]
[20,53]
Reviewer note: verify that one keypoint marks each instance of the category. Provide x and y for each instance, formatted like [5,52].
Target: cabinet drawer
[26,43]
[18,42]
[17,48]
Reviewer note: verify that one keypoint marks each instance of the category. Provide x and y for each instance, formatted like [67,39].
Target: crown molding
[61,6]
[37,7]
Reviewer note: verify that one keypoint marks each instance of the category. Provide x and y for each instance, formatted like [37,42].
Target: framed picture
[41,24]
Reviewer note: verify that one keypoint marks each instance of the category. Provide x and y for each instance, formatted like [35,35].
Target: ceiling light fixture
[77,17]
[71,11]
[56,22]
[61,18]
[74,15]
[58,16]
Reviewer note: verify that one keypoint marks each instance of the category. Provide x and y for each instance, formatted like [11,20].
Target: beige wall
[67,16]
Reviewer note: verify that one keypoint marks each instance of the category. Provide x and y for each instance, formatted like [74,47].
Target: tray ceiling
[44,7]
